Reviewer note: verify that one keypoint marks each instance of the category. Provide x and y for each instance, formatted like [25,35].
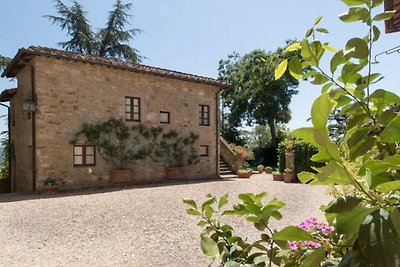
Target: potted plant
[115,144]
[50,185]
[245,171]
[260,168]
[268,170]
[277,176]
[289,176]
[177,151]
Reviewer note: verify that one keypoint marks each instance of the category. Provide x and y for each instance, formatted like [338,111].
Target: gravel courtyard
[142,226]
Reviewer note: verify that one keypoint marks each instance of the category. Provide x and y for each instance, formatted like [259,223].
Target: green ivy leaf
[209,247]
[293,233]
[320,111]
[391,133]
[280,70]
[384,16]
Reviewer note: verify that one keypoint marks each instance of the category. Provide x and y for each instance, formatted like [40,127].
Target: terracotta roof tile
[109,62]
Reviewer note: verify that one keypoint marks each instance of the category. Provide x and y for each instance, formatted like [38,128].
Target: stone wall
[71,93]
[21,136]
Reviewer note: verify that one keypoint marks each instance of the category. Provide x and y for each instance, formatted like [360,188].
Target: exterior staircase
[228,160]
[224,170]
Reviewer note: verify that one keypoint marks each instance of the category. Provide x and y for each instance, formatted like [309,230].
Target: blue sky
[192,36]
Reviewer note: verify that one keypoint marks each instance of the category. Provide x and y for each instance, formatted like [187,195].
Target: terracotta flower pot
[244,174]
[174,172]
[121,176]
[49,189]
[289,177]
[277,176]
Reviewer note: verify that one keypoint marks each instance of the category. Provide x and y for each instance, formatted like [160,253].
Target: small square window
[203,151]
[84,155]
[164,117]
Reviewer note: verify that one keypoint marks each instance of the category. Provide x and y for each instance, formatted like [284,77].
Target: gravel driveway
[144,226]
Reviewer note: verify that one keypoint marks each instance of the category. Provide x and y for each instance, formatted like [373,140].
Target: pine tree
[111,41]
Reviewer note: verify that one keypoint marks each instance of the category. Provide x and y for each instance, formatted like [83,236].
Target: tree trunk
[271,124]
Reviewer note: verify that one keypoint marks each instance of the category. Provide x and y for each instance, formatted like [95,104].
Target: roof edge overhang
[7,94]
[25,54]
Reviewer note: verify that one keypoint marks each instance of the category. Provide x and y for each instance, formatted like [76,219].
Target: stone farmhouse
[58,91]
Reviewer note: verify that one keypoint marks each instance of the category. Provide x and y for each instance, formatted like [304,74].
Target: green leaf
[322,30]
[376,33]
[326,46]
[293,47]
[343,204]
[388,186]
[354,2]
[320,111]
[360,48]
[193,212]
[385,96]
[305,177]
[391,133]
[232,264]
[295,68]
[309,32]
[190,202]
[378,241]
[208,212]
[314,258]
[223,201]
[246,198]
[317,20]
[376,3]
[349,222]
[327,150]
[208,202]
[355,14]
[384,16]
[209,247]
[292,233]
[280,70]
[336,60]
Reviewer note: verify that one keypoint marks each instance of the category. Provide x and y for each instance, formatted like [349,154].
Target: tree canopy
[110,41]
[257,98]
[4,61]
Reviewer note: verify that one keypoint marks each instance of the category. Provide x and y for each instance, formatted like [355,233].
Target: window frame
[84,155]
[169,117]
[207,151]
[132,106]
[204,115]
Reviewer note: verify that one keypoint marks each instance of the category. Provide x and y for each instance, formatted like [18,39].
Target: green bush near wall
[302,156]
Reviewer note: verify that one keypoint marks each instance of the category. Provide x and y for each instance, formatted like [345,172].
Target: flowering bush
[319,231]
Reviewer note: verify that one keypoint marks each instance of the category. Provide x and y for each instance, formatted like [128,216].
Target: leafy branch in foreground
[368,220]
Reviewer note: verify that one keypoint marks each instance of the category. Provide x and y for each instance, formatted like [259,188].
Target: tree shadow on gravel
[98,189]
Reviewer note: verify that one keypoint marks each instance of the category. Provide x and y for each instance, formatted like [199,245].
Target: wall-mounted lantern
[28,105]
